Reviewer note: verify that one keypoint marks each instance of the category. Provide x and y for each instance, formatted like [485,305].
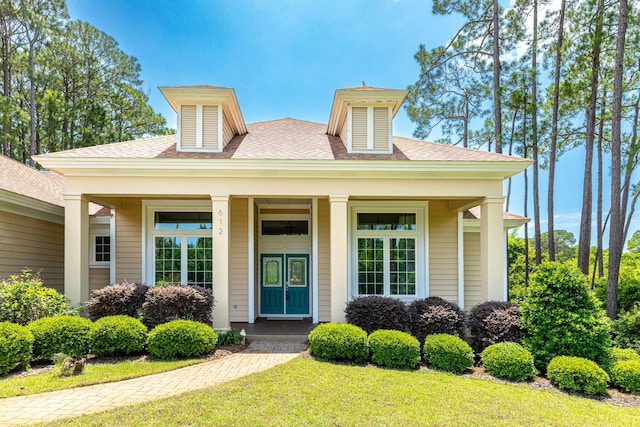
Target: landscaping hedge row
[108,336]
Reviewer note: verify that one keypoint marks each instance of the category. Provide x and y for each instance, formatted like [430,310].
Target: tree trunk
[584,242]
[534,134]
[497,104]
[32,98]
[599,250]
[616,226]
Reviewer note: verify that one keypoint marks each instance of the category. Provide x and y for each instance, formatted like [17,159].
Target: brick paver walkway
[82,400]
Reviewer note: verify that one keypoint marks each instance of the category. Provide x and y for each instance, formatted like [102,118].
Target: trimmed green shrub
[447,352]
[621,354]
[626,375]
[117,299]
[339,341]
[24,298]
[181,338]
[434,315]
[117,335]
[562,316]
[376,312]
[166,303]
[69,335]
[578,374]
[625,330]
[492,322]
[15,346]
[394,349]
[232,336]
[508,360]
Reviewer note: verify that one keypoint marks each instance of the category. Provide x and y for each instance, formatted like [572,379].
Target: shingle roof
[285,139]
[27,181]
[474,213]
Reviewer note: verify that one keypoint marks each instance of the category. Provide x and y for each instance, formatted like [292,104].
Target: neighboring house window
[102,246]
[182,248]
[386,247]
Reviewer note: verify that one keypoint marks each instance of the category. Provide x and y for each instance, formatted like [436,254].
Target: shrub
[166,303]
[113,335]
[181,338]
[394,349]
[232,336]
[508,360]
[577,374]
[434,315]
[25,298]
[447,352]
[15,346]
[339,341]
[70,335]
[626,375]
[561,316]
[625,330]
[622,354]
[492,322]
[375,312]
[117,299]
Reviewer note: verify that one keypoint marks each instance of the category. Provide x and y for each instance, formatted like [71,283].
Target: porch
[276,330]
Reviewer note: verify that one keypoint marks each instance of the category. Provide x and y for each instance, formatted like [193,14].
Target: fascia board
[27,206]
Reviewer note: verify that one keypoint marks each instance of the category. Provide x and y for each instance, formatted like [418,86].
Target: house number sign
[220,213]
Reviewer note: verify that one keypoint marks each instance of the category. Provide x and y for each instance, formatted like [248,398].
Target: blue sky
[286,58]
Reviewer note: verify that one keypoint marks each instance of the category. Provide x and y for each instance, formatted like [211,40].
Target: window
[102,249]
[181,247]
[285,228]
[386,245]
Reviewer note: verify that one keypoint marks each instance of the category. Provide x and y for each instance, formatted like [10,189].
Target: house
[32,227]
[289,218]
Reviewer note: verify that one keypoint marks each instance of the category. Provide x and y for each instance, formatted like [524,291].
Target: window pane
[103,248]
[285,228]
[370,266]
[387,221]
[167,259]
[199,261]
[402,256]
[183,220]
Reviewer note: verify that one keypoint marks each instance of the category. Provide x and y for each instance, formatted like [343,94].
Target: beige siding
[129,241]
[359,128]
[345,134]
[324,264]
[32,243]
[188,127]
[238,262]
[381,128]
[472,290]
[227,133]
[210,127]
[98,278]
[443,251]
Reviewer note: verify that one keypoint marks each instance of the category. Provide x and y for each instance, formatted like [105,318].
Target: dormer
[363,118]
[208,117]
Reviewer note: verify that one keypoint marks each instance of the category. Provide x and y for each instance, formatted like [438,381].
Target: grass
[93,374]
[309,392]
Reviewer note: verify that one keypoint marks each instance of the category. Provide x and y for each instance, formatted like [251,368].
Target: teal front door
[284,284]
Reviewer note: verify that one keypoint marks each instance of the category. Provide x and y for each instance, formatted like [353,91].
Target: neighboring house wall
[238,268]
[324,258]
[443,251]
[472,283]
[32,243]
[129,241]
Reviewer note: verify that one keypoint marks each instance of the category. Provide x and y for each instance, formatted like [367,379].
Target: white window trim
[92,249]
[421,210]
[149,208]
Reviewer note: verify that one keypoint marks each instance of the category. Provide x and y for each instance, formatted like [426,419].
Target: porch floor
[269,330]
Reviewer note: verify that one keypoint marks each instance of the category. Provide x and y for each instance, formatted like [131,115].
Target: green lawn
[93,374]
[309,392]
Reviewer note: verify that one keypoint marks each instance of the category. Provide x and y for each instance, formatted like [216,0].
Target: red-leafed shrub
[376,312]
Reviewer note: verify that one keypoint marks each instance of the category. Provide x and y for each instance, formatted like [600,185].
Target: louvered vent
[210,127]
[381,129]
[188,127]
[359,128]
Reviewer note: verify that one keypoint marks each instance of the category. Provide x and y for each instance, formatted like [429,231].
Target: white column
[251,274]
[76,248]
[315,271]
[492,264]
[339,256]
[460,260]
[221,229]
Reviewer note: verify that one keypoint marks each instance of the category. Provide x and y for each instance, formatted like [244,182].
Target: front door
[284,284]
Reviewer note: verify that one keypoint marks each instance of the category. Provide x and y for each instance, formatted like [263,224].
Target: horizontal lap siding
[227,133]
[32,243]
[472,290]
[129,242]
[98,278]
[238,261]
[443,251]
[324,263]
